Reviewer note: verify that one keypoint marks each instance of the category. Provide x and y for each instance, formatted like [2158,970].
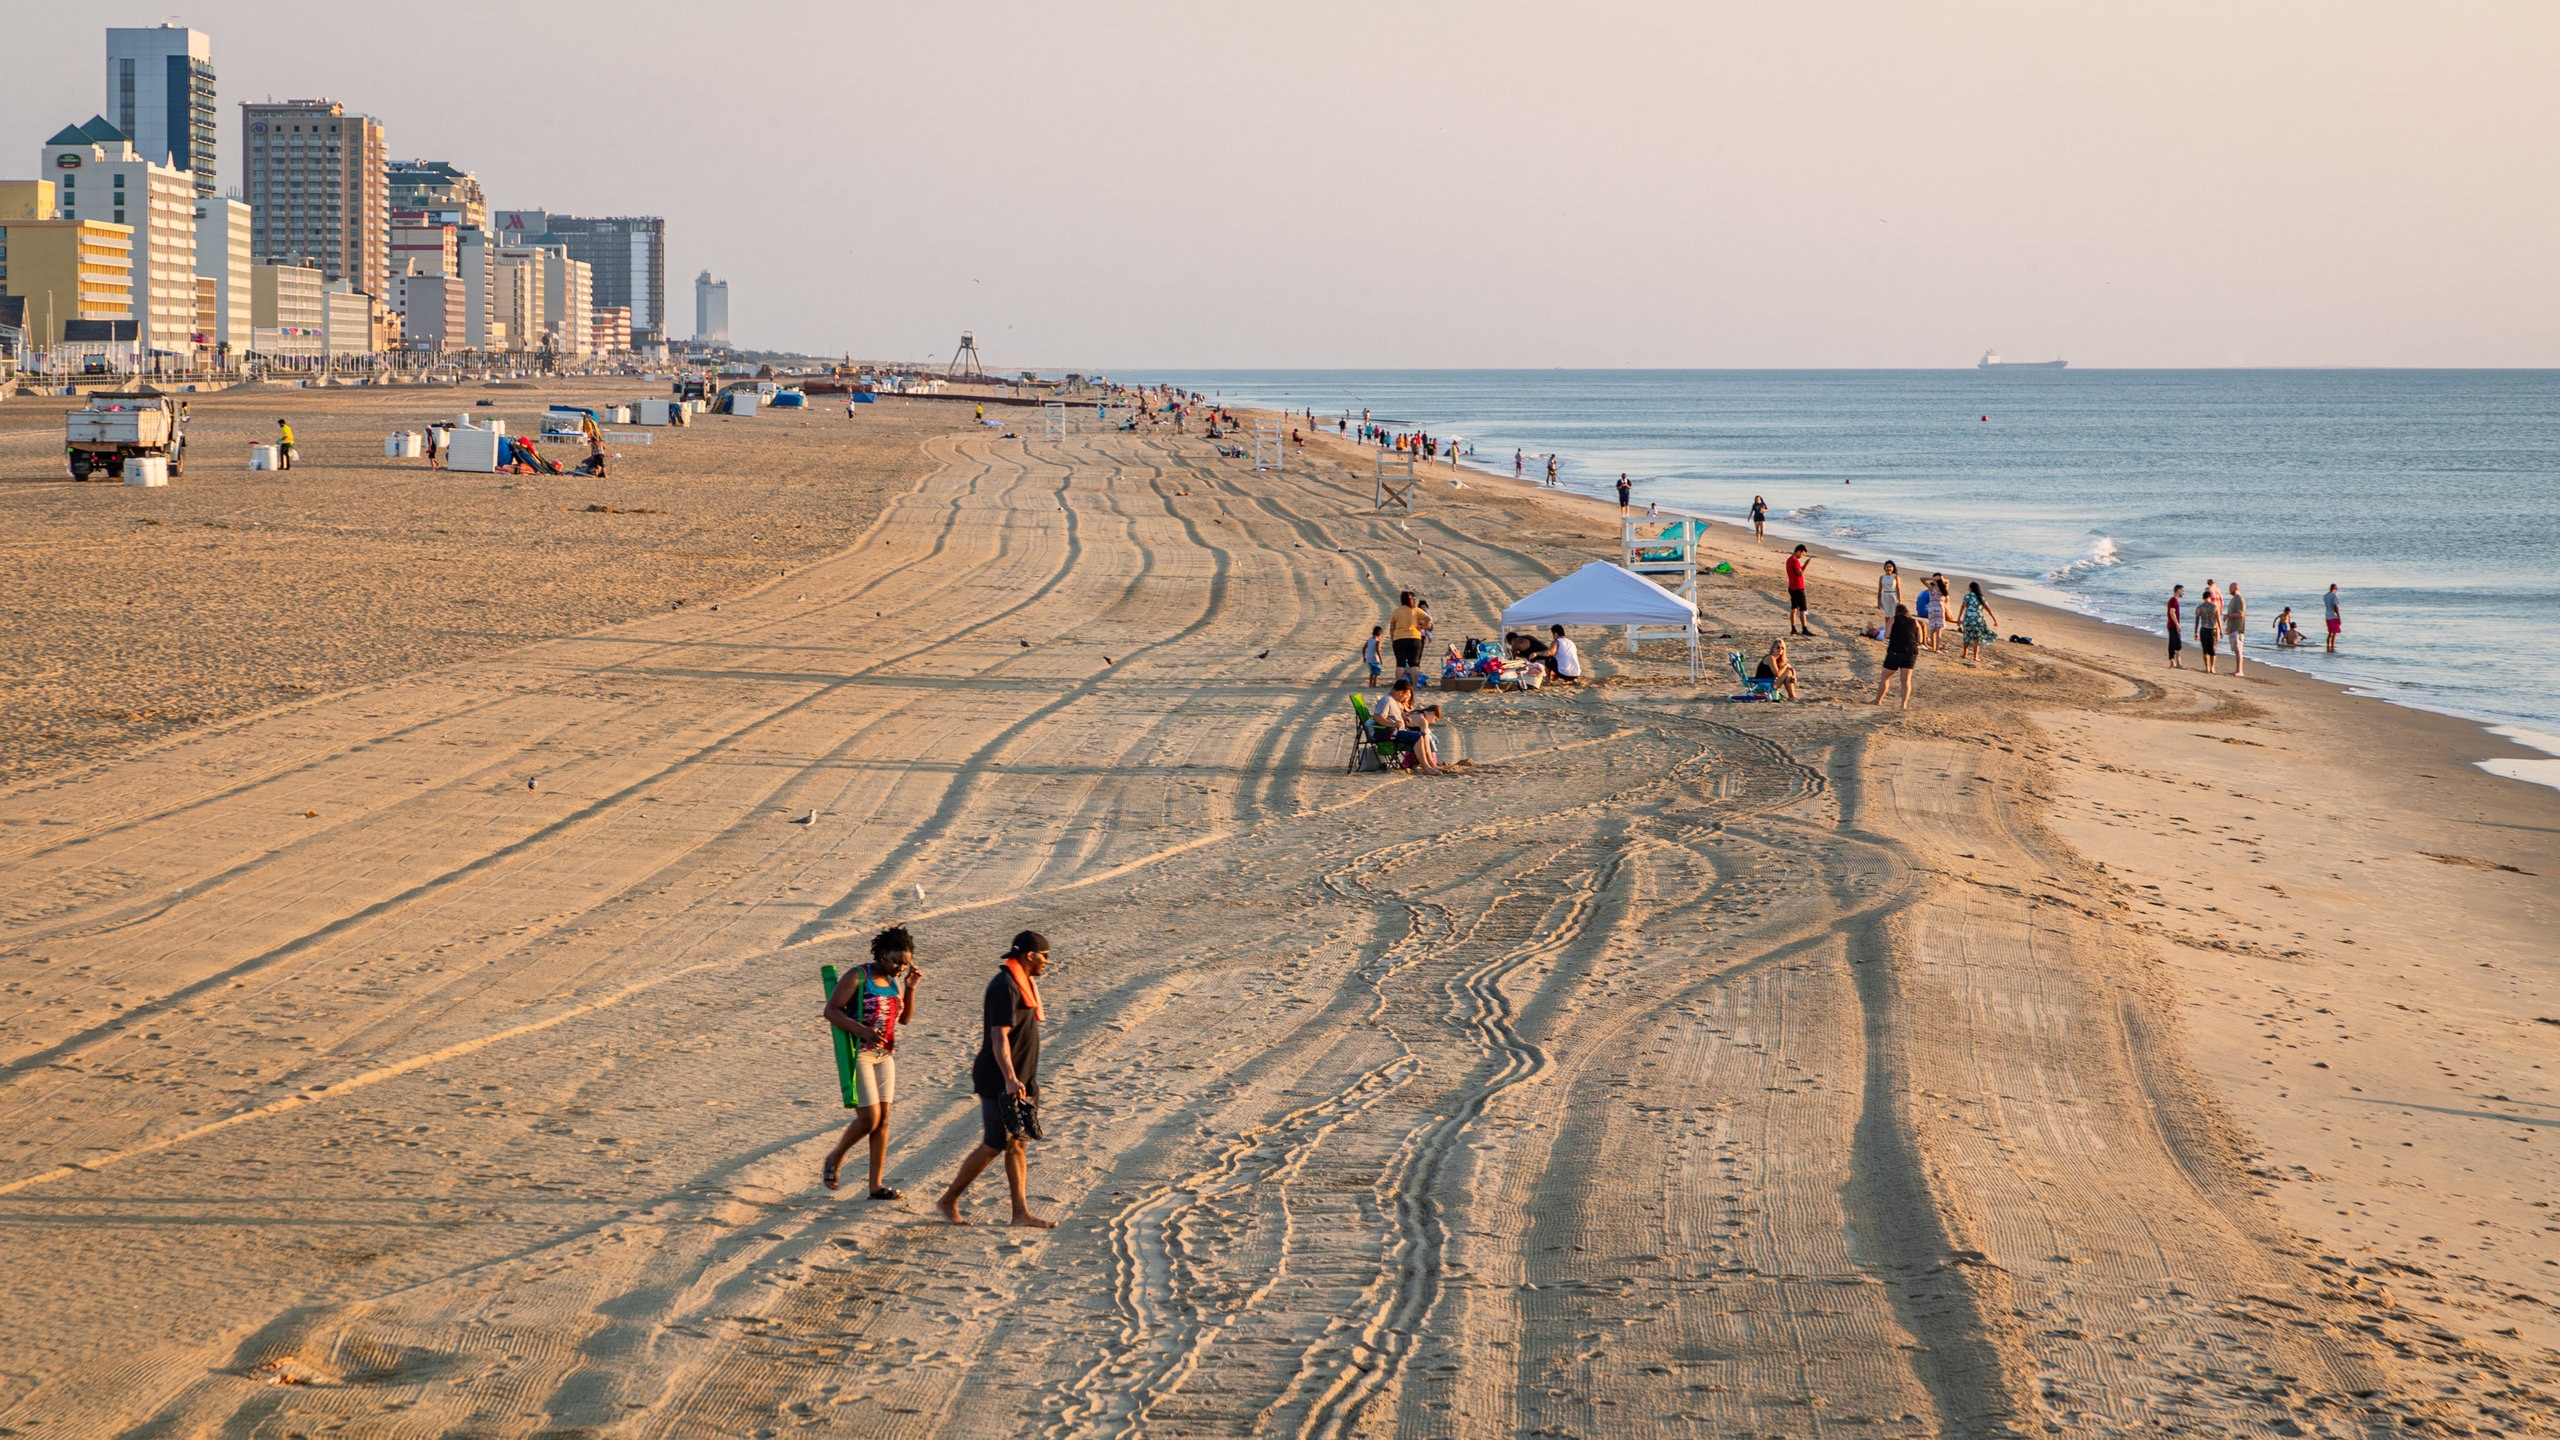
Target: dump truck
[116,428]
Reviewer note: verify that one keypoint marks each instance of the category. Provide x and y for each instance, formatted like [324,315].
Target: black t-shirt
[1004,1007]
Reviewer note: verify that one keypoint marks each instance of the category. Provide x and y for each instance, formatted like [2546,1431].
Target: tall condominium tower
[160,93]
[319,190]
[710,310]
[628,254]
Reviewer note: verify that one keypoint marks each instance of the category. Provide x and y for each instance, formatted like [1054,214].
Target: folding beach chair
[1753,687]
[1367,744]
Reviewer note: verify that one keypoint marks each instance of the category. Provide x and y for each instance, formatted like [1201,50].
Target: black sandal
[829,1175]
[885,1193]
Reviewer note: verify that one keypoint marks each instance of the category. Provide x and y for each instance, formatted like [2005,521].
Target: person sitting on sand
[869,1004]
[1777,670]
[1411,725]
[1006,1076]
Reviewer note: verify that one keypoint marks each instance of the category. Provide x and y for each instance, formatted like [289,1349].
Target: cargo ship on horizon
[1991,361]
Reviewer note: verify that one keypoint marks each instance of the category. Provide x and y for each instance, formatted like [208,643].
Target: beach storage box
[654,412]
[262,457]
[617,414]
[474,451]
[743,403]
[493,426]
[402,445]
[146,470]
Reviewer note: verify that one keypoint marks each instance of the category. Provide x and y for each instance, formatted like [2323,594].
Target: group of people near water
[872,1001]
[2221,623]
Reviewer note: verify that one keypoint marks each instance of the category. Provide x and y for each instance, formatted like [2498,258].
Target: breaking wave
[2101,555]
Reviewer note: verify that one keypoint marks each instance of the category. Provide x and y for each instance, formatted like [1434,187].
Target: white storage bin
[146,470]
[262,457]
[402,445]
[473,451]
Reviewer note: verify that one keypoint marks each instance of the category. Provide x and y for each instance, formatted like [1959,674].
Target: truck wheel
[178,464]
[115,467]
[80,467]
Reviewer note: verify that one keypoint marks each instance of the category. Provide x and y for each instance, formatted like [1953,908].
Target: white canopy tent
[1604,594]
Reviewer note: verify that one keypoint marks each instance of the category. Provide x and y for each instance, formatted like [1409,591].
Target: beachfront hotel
[98,175]
[317,178]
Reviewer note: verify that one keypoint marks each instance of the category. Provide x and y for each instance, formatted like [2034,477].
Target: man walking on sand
[2336,620]
[1799,619]
[1007,1079]
[2177,635]
[1626,493]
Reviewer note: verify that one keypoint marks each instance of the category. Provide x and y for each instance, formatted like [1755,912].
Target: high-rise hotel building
[319,190]
[160,95]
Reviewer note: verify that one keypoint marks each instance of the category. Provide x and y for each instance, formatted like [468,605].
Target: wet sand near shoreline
[1677,1067]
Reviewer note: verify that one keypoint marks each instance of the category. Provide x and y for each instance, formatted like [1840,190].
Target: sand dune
[1680,1067]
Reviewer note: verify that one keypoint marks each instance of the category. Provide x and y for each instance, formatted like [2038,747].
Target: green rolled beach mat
[844,1042]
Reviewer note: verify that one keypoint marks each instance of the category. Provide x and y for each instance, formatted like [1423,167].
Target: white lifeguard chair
[1395,481]
[1053,421]
[1668,556]
[1270,446]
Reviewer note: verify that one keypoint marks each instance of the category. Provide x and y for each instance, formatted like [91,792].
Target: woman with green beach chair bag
[866,1008]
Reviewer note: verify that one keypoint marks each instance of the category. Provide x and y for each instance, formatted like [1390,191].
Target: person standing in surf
[2177,622]
[2337,618]
[2209,623]
[1006,1077]
[869,1004]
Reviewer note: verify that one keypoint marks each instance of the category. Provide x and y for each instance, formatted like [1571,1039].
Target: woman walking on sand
[1901,654]
[1759,519]
[1979,623]
[1888,598]
[869,1004]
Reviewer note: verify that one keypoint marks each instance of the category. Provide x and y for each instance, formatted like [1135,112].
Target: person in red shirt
[1799,619]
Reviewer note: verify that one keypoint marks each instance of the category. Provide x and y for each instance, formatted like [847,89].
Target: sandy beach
[409,947]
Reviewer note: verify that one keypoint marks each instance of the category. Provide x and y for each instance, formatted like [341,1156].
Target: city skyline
[1835,186]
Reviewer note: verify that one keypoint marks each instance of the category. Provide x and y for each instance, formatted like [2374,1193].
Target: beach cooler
[146,470]
[263,457]
[474,451]
[617,415]
[402,445]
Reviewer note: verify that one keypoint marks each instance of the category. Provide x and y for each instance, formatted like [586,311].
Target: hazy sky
[1681,184]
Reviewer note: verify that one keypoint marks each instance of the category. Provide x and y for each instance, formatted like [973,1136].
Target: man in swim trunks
[1006,1075]
[2177,636]
[2336,620]
[1799,619]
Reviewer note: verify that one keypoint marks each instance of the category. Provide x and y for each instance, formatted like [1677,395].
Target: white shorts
[875,1078]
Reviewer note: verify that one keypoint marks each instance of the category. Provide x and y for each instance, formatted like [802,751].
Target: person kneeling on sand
[1412,726]
[1006,1076]
[869,1004]
[1777,670]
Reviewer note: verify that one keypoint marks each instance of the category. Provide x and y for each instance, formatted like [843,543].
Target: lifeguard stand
[1269,446]
[964,361]
[1668,557]
[1053,421]
[1395,481]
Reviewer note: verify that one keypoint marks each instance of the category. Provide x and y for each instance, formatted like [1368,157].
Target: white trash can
[402,445]
[146,470]
[472,451]
[262,457]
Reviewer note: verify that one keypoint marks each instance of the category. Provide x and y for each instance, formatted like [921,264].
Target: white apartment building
[346,321]
[430,309]
[568,301]
[222,255]
[474,258]
[286,310]
[98,175]
[515,299]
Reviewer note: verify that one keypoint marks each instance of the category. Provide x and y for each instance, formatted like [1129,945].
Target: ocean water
[2431,498]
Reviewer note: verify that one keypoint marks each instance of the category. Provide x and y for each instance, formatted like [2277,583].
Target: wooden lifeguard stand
[1396,483]
[1668,557]
[1270,447]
